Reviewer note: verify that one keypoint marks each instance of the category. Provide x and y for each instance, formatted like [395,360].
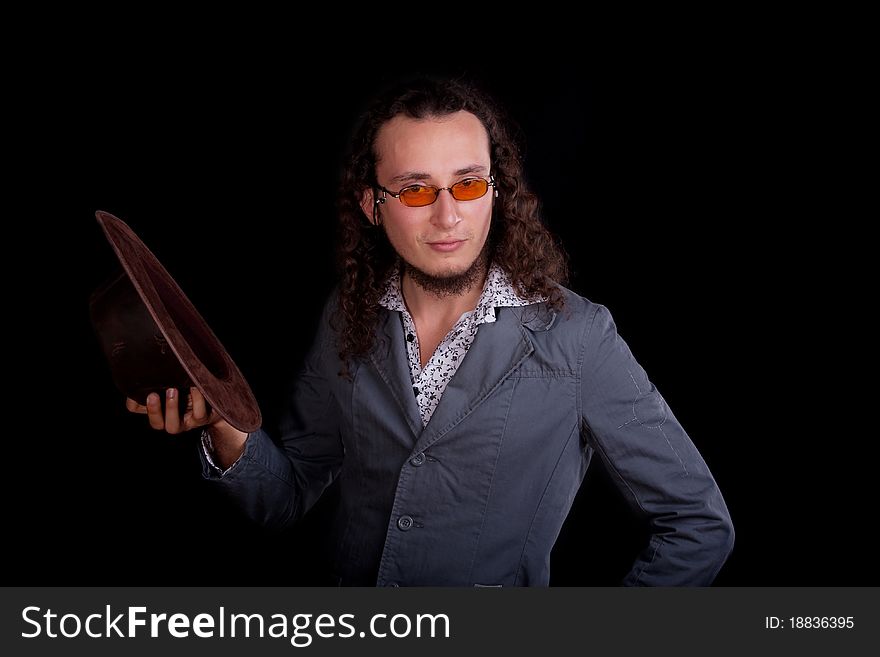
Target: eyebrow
[420,175]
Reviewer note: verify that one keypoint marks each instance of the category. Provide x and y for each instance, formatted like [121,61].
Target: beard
[451,284]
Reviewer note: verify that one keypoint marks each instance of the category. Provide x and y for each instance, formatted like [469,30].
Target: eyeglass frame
[491,182]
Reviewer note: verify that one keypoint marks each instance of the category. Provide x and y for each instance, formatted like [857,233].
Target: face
[445,238]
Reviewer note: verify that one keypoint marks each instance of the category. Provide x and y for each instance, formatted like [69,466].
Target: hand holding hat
[155,340]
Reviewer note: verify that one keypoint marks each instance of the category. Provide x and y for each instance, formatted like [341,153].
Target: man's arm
[653,462]
[275,485]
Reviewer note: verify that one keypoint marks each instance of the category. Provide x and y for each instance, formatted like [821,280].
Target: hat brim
[200,353]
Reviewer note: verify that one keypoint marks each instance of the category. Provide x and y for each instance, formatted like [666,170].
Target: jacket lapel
[496,351]
[390,360]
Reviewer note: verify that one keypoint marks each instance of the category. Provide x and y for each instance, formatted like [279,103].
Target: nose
[445,210]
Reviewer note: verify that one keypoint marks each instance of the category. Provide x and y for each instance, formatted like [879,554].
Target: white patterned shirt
[430,382]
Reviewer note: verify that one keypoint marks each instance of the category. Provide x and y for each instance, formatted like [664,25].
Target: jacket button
[404,523]
[418,459]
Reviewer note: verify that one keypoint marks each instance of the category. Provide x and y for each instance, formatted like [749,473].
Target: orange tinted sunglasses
[418,195]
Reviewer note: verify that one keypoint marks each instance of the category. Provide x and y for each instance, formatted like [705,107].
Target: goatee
[452,284]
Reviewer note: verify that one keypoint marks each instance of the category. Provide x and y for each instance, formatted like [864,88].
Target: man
[455,387]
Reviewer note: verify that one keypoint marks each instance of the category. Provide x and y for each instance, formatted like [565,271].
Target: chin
[446,270]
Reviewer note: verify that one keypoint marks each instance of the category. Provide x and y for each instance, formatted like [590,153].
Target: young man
[455,387]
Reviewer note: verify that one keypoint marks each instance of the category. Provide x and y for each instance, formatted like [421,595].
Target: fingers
[154,411]
[199,411]
[172,415]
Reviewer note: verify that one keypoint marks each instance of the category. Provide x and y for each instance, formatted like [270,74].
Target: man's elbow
[718,544]
[730,537]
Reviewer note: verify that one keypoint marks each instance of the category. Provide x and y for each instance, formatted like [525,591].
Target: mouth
[446,246]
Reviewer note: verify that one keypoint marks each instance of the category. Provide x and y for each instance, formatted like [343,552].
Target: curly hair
[518,241]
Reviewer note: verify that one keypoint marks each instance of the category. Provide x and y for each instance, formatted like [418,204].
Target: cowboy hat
[154,338]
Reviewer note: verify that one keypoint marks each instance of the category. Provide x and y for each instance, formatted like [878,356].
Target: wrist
[224,442]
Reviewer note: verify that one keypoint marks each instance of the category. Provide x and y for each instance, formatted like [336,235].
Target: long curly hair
[518,241]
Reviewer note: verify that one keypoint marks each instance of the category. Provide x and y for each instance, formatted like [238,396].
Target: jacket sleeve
[653,462]
[275,485]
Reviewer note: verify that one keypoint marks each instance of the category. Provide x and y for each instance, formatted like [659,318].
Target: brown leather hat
[155,339]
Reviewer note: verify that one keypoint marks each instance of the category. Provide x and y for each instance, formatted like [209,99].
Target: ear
[368,205]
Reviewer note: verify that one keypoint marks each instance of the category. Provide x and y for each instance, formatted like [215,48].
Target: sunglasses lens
[468,190]
[418,195]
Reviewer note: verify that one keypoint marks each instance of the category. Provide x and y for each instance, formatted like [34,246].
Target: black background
[665,173]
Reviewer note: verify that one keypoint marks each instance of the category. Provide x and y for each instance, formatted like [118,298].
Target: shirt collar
[498,292]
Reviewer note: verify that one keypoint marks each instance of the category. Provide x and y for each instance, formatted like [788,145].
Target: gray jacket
[479,495]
